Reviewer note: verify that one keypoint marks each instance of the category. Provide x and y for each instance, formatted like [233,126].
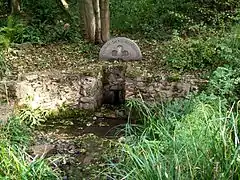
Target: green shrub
[47,22]
[225,82]
[9,33]
[203,51]
[192,53]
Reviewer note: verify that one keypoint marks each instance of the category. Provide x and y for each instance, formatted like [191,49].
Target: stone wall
[111,86]
[53,89]
[90,92]
[151,90]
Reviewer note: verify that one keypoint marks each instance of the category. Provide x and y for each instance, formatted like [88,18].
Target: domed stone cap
[120,48]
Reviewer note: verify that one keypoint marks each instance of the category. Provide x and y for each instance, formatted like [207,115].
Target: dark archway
[114,85]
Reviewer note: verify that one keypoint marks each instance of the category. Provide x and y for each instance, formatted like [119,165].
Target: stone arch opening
[114,85]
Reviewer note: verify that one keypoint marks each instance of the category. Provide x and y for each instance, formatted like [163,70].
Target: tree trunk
[90,25]
[65,4]
[105,20]
[15,6]
[96,6]
[95,15]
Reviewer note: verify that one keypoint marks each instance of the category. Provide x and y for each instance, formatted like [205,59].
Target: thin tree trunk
[15,6]
[105,20]
[90,25]
[83,21]
[96,6]
[64,3]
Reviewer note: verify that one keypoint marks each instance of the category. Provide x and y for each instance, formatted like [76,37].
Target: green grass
[199,144]
[15,162]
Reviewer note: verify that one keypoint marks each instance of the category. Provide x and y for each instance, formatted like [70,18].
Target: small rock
[44,150]
[31,77]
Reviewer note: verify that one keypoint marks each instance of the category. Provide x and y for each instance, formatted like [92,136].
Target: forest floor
[82,57]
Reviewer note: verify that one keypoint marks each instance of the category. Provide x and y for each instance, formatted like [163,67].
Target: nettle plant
[225,82]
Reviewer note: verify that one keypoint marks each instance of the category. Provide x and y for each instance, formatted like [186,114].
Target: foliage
[3,7]
[225,82]
[16,133]
[48,22]
[9,33]
[42,22]
[204,51]
[32,116]
[199,145]
[45,19]
[155,17]
[15,162]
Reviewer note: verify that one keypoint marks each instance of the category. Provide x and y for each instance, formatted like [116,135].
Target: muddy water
[102,127]
[83,146]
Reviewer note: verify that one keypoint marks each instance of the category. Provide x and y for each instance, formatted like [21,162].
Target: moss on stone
[65,111]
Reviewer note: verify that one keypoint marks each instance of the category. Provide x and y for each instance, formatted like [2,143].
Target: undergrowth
[201,143]
[159,18]
[204,51]
[192,138]
[15,162]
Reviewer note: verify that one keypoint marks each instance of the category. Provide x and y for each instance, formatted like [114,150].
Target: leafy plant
[10,32]
[49,21]
[154,18]
[32,116]
[225,82]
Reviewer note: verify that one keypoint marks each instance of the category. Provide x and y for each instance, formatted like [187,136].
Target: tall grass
[201,144]
[15,162]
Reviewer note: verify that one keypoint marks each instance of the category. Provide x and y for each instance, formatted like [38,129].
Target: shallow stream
[82,145]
